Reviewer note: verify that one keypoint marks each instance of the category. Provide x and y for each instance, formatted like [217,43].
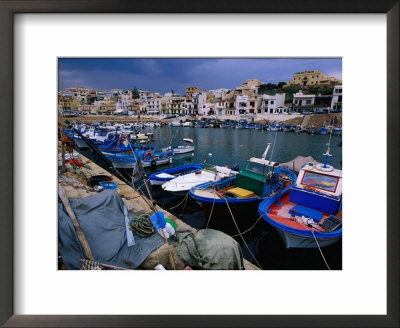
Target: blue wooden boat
[288,128]
[239,196]
[159,178]
[298,129]
[308,215]
[148,158]
[323,130]
[337,131]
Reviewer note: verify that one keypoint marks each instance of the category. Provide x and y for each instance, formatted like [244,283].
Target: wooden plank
[78,230]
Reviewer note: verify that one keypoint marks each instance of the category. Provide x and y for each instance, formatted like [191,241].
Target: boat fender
[146,156]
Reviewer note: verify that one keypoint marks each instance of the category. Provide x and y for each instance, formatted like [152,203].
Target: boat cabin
[255,174]
[318,187]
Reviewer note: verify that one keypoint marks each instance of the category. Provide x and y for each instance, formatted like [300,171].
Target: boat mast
[266,151]
[328,154]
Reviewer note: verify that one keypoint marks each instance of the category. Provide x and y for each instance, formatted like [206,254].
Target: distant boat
[309,215]
[337,131]
[240,195]
[274,127]
[162,177]
[312,129]
[324,129]
[176,124]
[288,128]
[298,129]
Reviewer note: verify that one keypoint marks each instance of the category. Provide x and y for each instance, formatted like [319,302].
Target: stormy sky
[166,74]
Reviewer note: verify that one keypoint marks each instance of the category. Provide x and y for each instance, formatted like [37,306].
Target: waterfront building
[190,90]
[87,108]
[336,103]
[107,107]
[198,100]
[303,101]
[189,107]
[67,101]
[312,78]
[123,102]
[153,105]
[207,109]
[241,105]
[177,105]
[253,103]
[230,100]
[270,103]
[220,107]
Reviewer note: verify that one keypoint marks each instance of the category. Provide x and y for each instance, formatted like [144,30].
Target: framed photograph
[48,45]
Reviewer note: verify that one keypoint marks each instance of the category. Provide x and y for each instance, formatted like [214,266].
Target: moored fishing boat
[239,196]
[299,129]
[312,129]
[288,128]
[337,131]
[182,184]
[161,177]
[148,158]
[324,129]
[309,215]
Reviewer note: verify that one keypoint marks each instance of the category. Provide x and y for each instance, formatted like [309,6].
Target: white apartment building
[337,98]
[153,105]
[123,102]
[241,105]
[198,100]
[270,103]
[207,109]
[189,107]
[220,107]
[302,101]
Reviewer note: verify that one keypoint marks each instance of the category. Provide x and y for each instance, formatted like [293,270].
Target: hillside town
[308,92]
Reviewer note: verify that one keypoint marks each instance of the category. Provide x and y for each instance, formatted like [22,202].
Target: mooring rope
[251,228]
[234,221]
[312,231]
[212,208]
[180,202]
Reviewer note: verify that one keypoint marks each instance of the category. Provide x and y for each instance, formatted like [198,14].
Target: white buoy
[209,154]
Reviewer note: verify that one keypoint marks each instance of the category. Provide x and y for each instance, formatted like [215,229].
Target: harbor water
[234,146]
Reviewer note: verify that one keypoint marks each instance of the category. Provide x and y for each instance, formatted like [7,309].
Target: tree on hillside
[280,85]
[135,93]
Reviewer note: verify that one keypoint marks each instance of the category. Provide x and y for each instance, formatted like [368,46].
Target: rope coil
[142,225]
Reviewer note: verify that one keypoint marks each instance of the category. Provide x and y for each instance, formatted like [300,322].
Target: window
[308,102]
[320,181]
[272,102]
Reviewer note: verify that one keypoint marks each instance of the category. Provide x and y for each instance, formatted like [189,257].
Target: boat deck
[281,215]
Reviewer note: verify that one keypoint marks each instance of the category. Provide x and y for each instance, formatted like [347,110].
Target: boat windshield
[257,168]
[321,181]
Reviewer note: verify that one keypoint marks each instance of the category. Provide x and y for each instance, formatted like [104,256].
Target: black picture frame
[10,7]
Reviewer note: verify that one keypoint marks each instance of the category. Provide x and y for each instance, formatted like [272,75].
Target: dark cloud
[166,74]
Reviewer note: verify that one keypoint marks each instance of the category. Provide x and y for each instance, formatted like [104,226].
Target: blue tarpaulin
[101,219]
